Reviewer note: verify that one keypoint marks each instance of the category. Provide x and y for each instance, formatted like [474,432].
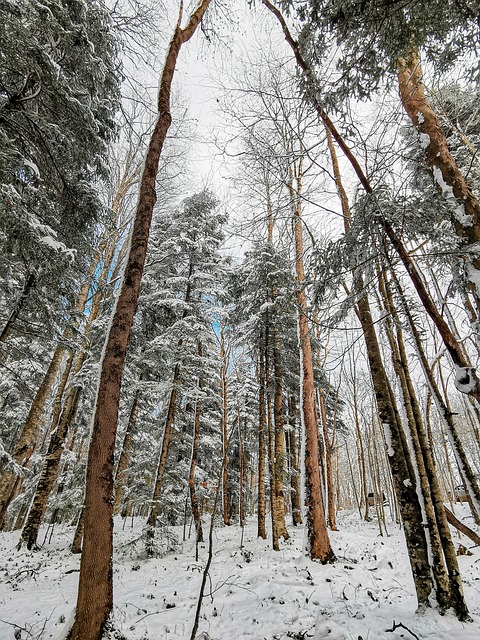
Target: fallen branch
[454,521]
[400,625]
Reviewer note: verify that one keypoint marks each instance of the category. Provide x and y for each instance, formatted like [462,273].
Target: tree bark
[126,452]
[462,527]
[319,543]
[17,308]
[224,428]
[78,535]
[328,465]
[444,412]
[262,425]
[95,594]
[193,462]
[279,440]
[26,442]
[162,465]
[442,166]
[445,565]
[295,491]
[52,462]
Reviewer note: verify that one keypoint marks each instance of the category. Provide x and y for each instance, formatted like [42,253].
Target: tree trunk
[279,440]
[294,464]
[95,594]
[49,472]
[444,413]
[328,465]
[262,425]
[319,543]
[455,522]
[126,452]
[224,428]
[17,308]
[442,166]
[448,587]
[26,442]
[162,464]
[464,368]
[193,462]
[78,535]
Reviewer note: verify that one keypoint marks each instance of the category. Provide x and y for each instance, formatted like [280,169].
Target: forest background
[251,290]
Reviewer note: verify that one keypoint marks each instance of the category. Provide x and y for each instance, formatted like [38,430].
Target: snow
[424,140]
[458,209]
[420,118]
[388,438]
[49,241]
[254,592]
[464,380]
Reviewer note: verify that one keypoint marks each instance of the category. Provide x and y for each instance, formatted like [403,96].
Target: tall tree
[95,594]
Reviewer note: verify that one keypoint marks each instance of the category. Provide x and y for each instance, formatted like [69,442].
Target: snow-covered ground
[252,593]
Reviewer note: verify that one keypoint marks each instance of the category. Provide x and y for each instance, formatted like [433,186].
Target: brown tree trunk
[442,166]
[26,442]
[360,456]
[78,535]
[448,587]
[455,522]
[319,543]
[51,463]
[162,464]
[403,478]
[17,308]
[444,412]
[224,428]
[193,462]
[126,452]
[279,440]
[262,425]
[328,465]
[95,594]
[60,425]
[271,443]
[295,491]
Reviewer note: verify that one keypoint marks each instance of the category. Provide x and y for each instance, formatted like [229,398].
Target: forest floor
[253,592]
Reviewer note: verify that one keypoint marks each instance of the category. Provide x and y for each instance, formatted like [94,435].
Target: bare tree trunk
[462,527]
[328,465]
[445,414]
[271,444]
[294,464]
[319,543]
[397,448]
[17,309]
[262,425]
[78,535]
[95,594]
[52,462]
[162,465]
[126,452]
[448,586]
[279,440]
[193,462]
[442,166]
[26,443]
[224,427]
